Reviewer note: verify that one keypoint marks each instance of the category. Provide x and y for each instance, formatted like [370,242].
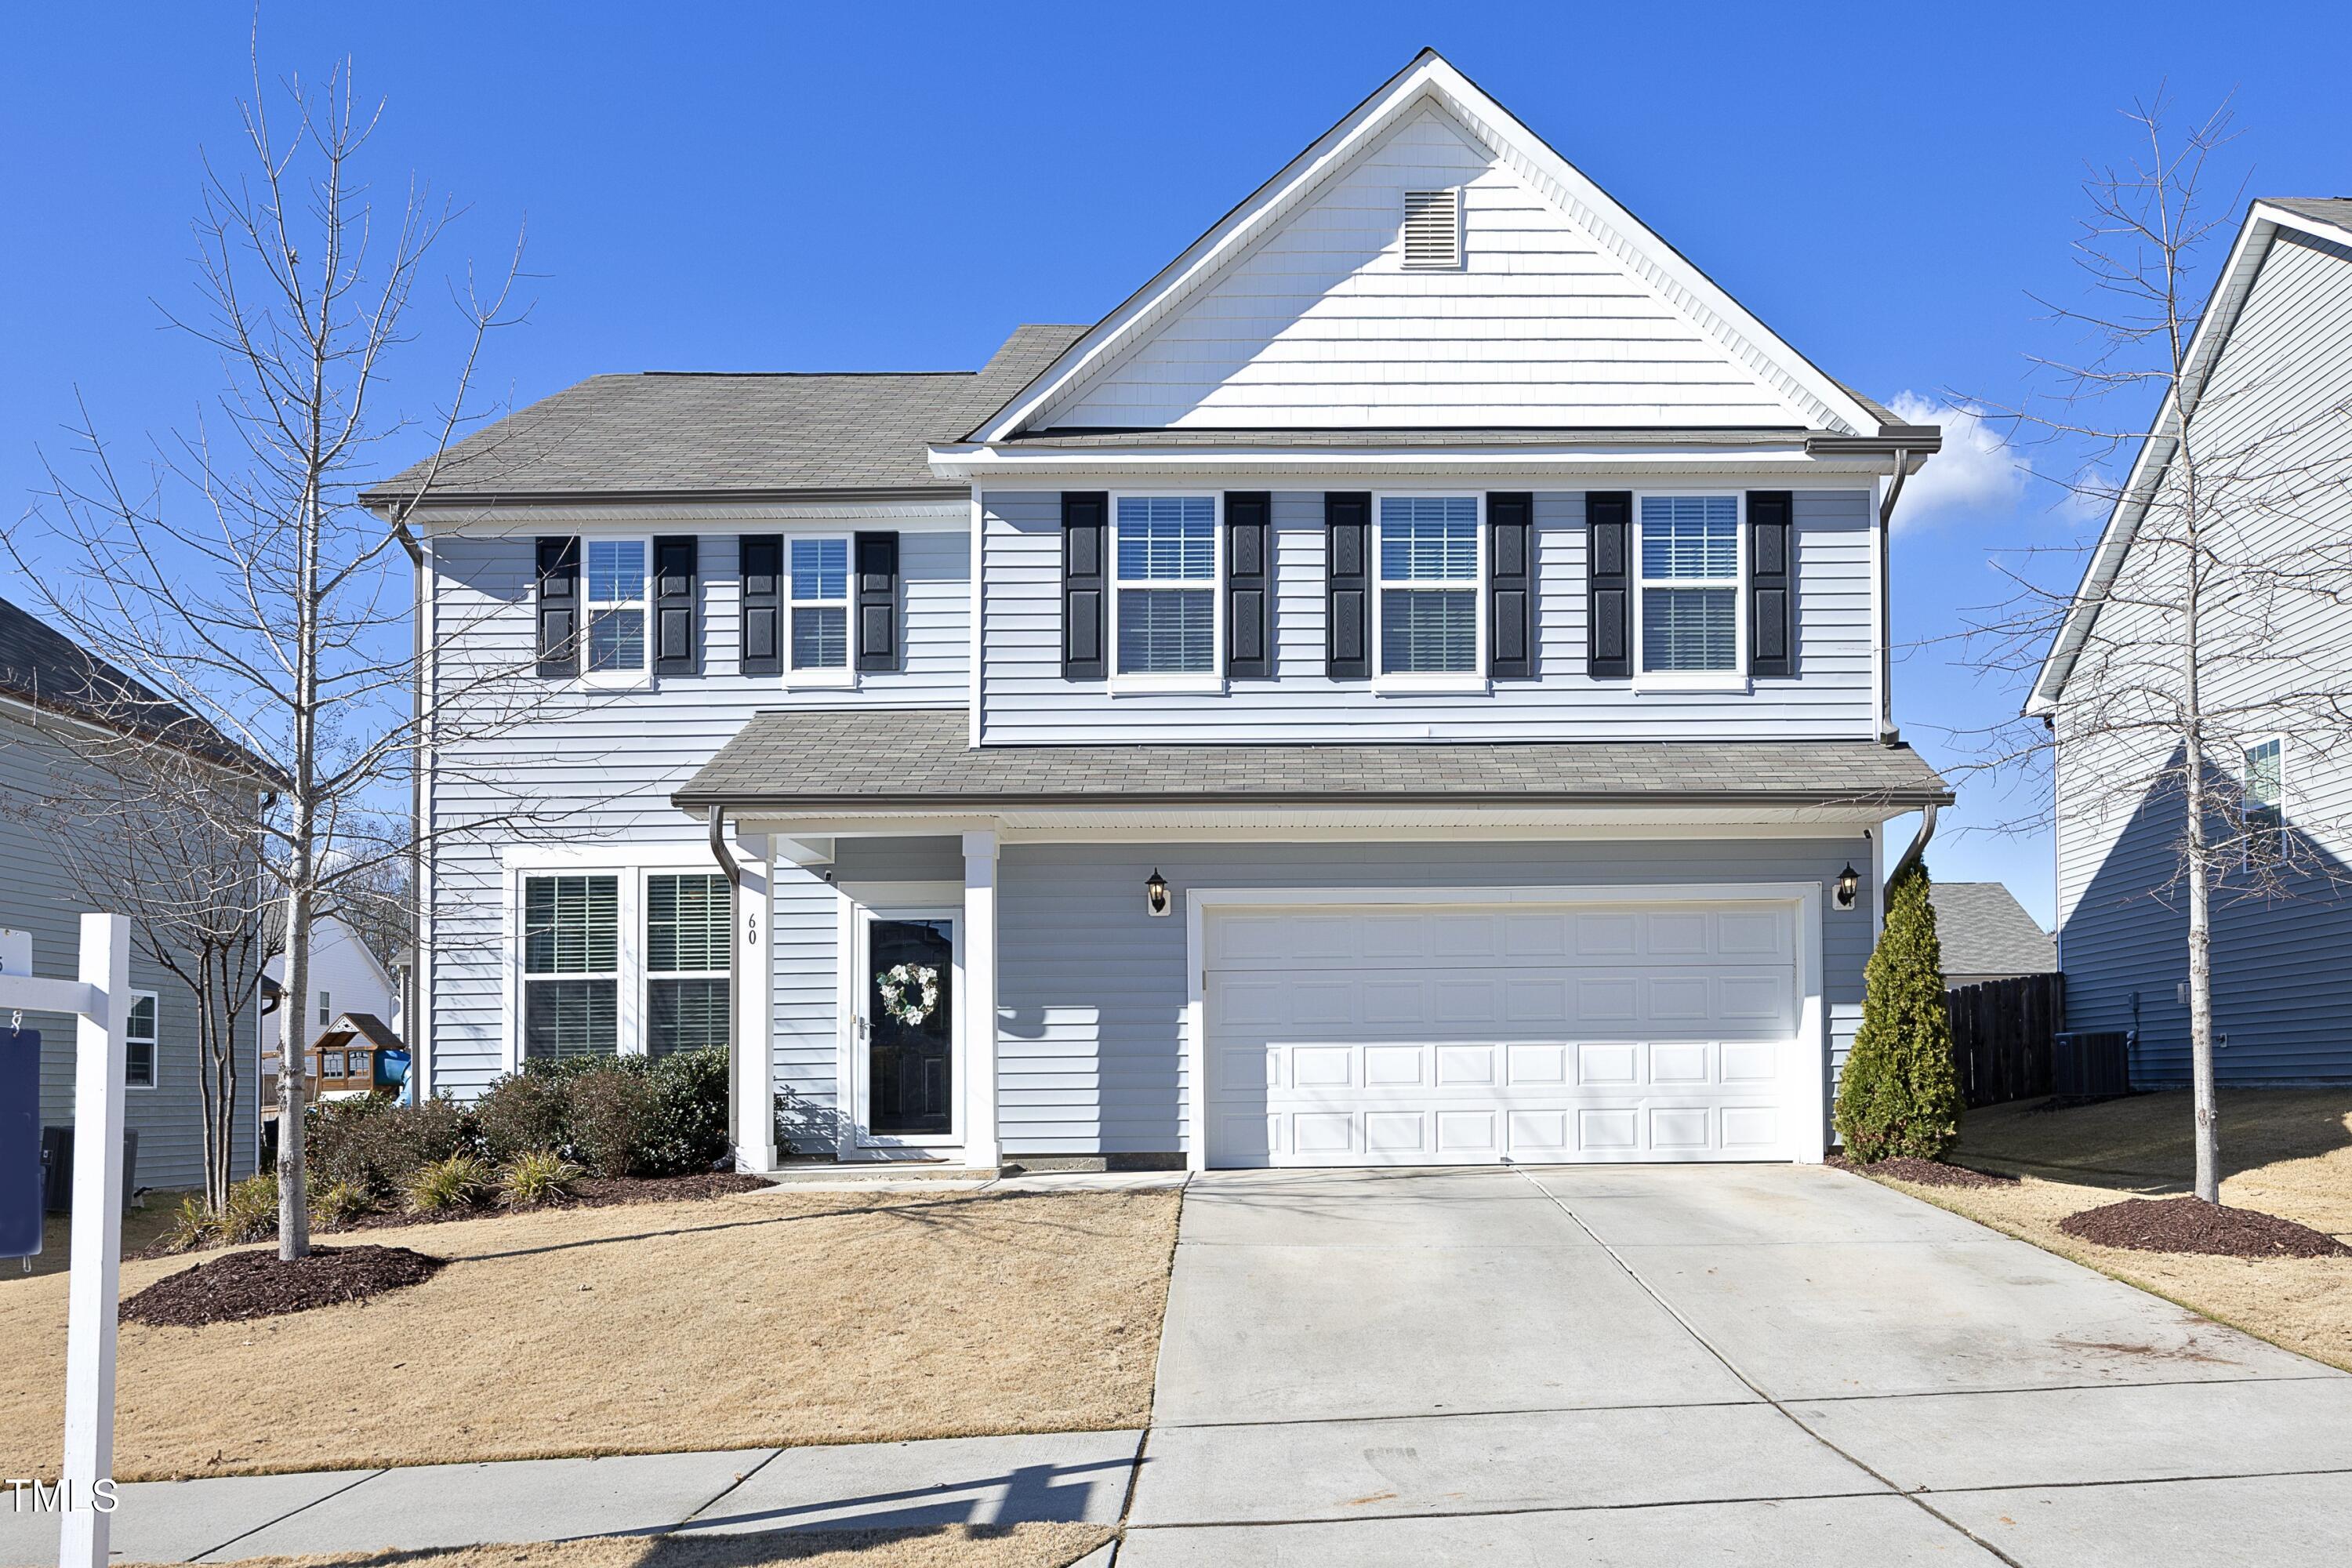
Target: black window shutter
[1609,582]
[1249,585]
[559,606]
[1510,585]
[1347,576]
[877,601]
[1771,581]
[1086,529]
[762,561]
[674,571]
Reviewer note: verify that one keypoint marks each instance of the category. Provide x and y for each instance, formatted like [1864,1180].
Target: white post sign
[102,1000]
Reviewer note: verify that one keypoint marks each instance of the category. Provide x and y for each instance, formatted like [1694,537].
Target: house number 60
[751,930]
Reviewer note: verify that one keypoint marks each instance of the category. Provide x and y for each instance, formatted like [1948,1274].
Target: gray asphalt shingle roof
[1985,931]
[2337,210]
[673,433]
[43,668]
[801,760]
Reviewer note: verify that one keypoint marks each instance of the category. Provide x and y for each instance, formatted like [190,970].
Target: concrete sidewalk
[1077,1477]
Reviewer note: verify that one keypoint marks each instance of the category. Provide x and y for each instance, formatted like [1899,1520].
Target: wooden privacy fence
[2003,1035]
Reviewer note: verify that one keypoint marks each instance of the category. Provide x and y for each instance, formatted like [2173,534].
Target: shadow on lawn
[2145,1144]
[744,1550]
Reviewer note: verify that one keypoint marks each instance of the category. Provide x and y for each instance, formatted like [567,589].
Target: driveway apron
[1662,1363]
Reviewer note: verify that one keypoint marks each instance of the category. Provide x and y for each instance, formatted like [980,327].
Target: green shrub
[614,1113]
[690,1134]
[524,1113]
[1898,1095]
[537,1176]
[249,1212]
[457,1181]
[373,1142]
[340,1202]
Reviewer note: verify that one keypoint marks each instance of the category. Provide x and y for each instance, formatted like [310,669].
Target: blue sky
[838,187]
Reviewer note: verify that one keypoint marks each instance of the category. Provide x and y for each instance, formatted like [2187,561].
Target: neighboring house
[345,977]
[1986,934]
[55,699]
[2269,385]
[1407,686]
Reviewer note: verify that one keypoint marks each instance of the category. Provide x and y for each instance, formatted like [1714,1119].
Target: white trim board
[1806,1075]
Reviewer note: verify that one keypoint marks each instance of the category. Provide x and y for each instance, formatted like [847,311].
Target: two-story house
[2265,406]
[1407,686]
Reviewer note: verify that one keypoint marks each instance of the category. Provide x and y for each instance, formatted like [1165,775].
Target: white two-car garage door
[1458,1033]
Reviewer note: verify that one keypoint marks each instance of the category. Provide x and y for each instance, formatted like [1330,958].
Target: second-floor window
[615,648]
[1165,552]
[1428,556]
[1689,595]
[820,606]
[572,966]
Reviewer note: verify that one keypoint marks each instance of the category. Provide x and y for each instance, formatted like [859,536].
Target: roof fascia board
[1431,75]
[985,465]
[749,807]
[385,505]
[2206,345]
[945,510]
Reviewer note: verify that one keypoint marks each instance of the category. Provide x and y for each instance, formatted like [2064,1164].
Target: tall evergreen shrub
[1899,1095]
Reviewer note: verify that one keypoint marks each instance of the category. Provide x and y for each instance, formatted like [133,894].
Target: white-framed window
[1429,562]
[689,920]
[1166,611]
[2263,799]
[140,1042]
[615,649]
[330,1064]
[571,965]
[1689,625]
[326,1010]
[816,614]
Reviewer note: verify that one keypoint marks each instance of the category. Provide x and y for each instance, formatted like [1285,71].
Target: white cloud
[1977,472]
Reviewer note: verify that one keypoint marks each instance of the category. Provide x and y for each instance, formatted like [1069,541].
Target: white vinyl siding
[1323,324]
[1026,701]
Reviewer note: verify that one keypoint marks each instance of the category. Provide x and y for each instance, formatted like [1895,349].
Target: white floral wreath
[898,988]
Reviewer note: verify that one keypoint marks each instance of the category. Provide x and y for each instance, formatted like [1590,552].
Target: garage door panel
[1396,1036]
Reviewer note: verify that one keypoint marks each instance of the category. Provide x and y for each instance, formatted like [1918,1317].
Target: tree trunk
[293,1198]
[2199,865]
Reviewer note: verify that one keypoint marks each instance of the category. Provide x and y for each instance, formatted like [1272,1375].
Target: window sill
[631,680]
[1720,682]
[1448,685]
[1189,684]
[820,681]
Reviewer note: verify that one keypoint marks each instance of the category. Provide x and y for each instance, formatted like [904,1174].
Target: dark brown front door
[910,1060]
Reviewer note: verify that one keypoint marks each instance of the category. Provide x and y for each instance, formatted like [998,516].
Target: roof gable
[1294,311]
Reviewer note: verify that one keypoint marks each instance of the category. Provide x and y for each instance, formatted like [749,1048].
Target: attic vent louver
[1433,228]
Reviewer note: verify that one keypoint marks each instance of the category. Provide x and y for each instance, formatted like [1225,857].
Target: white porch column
[755,975]
[979,1002]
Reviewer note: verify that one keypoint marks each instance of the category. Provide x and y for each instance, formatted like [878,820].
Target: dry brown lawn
[947,1546]
[731,1322]
[2285,1151]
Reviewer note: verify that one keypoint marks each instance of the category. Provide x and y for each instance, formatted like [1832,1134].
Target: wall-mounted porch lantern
[1849,883]
[1155,892]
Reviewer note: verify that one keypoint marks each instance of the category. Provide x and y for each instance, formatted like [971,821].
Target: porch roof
[807,762]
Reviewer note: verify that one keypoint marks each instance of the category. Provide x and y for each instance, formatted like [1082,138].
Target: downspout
[1888,734]
[727,863]
[1918,843]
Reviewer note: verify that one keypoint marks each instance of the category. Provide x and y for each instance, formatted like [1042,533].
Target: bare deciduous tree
[2178,646]
[236,572]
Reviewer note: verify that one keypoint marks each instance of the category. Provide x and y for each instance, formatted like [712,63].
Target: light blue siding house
[1408,686]
[2269,398]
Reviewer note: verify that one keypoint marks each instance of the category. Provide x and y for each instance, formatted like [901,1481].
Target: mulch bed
[2192,1225]
[1926,1172]
[588,1193]
[263,1285]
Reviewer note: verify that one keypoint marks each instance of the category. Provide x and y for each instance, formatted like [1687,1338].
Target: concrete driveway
[1680,1365]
